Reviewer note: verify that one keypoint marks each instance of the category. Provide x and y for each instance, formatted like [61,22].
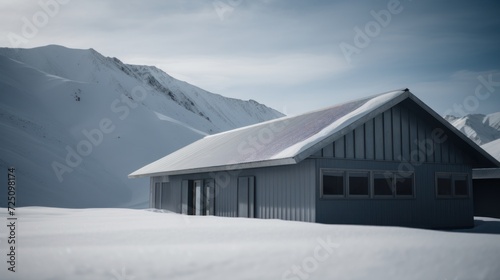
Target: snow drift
[126,244]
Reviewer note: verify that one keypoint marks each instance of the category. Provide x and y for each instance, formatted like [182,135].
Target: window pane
[404,184]
[444,186]
[382,184]
[358,183]
[333,184]
[461,186]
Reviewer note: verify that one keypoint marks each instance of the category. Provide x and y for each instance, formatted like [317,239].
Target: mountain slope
[74,123]
[479,128]
[493,148]
[484,130]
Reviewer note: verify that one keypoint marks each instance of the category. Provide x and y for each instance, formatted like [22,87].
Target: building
[486,192]
[384,160]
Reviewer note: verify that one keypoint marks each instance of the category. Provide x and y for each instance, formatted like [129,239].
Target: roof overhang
[222,168]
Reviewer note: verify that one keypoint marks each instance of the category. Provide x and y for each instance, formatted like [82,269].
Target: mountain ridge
[90,120]
[484,130]
[480,128]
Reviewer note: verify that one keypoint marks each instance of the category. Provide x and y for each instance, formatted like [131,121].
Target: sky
[292,55]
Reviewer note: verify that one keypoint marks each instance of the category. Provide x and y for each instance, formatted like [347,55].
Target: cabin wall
[162,195]
[401,138]
[423,210]
[487,197]
[282,192]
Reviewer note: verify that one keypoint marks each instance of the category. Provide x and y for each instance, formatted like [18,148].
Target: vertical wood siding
[424,210]
[394,135]
[283,192]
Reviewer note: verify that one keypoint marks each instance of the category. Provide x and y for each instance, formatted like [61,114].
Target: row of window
[339,184]
[387,184]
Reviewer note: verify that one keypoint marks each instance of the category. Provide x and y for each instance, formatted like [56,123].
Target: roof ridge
[402,90]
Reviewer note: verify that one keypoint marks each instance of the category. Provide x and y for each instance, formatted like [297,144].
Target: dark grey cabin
[384,160]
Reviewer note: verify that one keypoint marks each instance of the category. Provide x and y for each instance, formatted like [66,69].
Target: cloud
[220,73]
[457,93]
[282,49]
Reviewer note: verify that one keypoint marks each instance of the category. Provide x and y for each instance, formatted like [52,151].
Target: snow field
[56,243]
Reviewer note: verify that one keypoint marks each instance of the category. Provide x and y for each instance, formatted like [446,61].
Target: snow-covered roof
[282,141]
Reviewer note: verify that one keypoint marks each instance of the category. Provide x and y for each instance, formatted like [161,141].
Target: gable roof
[282,141]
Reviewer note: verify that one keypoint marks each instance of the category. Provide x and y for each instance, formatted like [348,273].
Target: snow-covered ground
[126,244]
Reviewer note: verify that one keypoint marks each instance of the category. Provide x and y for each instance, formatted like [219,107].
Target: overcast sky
[291,55]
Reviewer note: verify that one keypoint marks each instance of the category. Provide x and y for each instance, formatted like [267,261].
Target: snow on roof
[282,141]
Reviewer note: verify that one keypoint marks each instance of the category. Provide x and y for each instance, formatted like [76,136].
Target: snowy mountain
[74,123]
[482,129]
[479,128]
[493,148]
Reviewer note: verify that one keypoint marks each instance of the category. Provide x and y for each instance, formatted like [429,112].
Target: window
[198,197]
[359,183]
[209,197]
[187,190]
[461,186]
[444,185]
[393,184]
[333,183]
[404,184]
[382,184]
[452,185]
[199,206]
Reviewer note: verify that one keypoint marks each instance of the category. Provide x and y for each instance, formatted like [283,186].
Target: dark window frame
[412,180]
[454,177]
[372,174]
[394,175]
[467,185]
[326,172]
[368,187]
[385,178]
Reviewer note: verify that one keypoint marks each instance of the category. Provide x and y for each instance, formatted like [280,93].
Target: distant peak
[450,118]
